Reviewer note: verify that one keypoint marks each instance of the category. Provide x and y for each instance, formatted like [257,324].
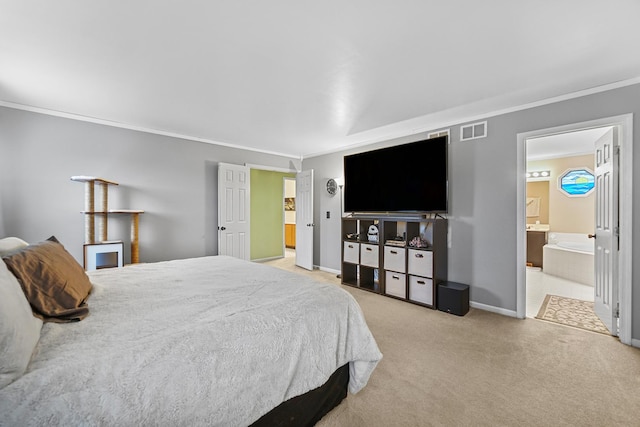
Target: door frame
[293,169]
[624,123]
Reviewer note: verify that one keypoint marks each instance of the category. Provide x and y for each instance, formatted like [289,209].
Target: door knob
[591,236]
[222,228]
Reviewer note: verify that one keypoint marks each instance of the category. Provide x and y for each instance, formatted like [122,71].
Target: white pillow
[19,328]
[9,244]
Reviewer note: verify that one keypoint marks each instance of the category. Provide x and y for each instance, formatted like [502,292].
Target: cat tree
[102,244]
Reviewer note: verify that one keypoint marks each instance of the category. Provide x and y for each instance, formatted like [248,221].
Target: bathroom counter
[537,227]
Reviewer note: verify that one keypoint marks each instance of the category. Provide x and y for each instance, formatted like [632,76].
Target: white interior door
[304,219]
[606,233]
[233,211]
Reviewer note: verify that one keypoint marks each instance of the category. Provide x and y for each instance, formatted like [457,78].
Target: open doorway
[560,216]
[617,301]
[289,217]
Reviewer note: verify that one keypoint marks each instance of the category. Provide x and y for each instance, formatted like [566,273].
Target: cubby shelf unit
[389,263]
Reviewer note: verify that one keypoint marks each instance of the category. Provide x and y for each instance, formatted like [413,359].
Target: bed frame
[307,409]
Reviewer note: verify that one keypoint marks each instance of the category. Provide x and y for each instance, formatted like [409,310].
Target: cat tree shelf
[90,214]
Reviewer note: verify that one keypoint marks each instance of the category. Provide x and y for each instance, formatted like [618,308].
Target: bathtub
[569,256]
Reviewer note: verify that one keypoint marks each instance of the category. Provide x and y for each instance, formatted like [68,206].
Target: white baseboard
[267,259]
[493,309]
[635,343]
[328,270]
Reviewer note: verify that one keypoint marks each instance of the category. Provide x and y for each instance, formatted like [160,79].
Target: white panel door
[304,219]
[606,233]
[233,211]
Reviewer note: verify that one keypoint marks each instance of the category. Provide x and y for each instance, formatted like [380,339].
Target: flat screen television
[403,178]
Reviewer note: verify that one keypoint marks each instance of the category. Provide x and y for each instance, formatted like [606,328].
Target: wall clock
[332,186]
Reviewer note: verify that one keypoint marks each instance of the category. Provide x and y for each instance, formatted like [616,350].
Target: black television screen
[403,178]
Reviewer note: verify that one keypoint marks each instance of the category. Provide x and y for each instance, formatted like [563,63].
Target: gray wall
[482,198]
[173,180]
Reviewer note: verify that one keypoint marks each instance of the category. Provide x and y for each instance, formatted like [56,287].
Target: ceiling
[567,144]
[301,78]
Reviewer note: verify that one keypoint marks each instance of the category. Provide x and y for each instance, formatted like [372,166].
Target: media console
[400,257]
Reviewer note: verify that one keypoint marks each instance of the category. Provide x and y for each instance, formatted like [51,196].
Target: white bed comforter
[202,341]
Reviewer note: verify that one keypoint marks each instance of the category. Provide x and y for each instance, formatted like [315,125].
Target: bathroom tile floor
[540,284]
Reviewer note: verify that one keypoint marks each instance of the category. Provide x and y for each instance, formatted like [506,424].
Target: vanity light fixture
[538,175]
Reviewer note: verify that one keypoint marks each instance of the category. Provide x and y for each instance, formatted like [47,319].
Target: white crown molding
[120,125]
[270,168]
[384,133]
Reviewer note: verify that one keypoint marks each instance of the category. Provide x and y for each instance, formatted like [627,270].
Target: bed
[202,341]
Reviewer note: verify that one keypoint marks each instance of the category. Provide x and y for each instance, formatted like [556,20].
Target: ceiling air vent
[473,131]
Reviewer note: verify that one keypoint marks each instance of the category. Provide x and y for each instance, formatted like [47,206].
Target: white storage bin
[369,255]
[420,263]
[394,259]
[395,284]
[351,252]
[421,290]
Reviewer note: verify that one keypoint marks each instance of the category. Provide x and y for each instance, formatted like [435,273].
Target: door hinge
[617,313]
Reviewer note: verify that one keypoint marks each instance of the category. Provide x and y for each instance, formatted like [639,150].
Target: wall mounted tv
[403,178]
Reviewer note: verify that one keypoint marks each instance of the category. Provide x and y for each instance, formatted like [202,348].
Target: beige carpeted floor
[485,369]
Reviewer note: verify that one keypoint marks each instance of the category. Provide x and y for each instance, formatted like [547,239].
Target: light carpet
[485,369]
[571,312]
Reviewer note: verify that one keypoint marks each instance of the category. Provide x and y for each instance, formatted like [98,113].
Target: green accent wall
[267,213]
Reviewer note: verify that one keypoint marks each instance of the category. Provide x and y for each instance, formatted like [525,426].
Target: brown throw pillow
[54,283]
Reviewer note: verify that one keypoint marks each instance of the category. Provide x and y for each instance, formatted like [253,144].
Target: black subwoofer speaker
[453,298]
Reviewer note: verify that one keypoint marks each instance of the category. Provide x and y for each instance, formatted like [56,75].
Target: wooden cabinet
[535,241]
[290,235]
[405,259]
